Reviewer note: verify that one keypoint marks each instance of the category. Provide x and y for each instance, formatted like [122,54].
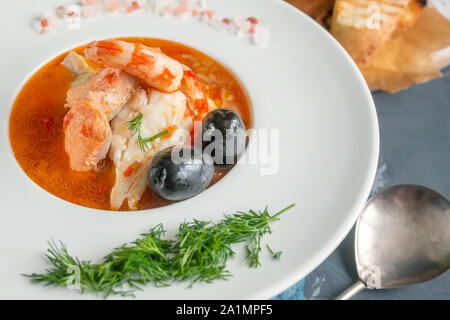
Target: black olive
[224,136]
[179,173]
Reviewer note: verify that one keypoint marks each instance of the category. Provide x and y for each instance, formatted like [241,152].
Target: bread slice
[363,26]
[410,15]
[415,56]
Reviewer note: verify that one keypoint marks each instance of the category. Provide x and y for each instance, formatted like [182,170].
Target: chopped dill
[135,125]
[275,255]
[199,253]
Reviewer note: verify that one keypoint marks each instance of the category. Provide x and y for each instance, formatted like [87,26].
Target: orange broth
[37,138]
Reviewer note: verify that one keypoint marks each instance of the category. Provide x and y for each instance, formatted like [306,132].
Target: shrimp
[198,102]
[155,68]
[87,133]
[87,136]
[110,88]
[148,64]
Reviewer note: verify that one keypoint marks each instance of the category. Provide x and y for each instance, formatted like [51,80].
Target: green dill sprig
[251,227]
[143,141]
[61,271]
[135,126]
[200,252]
[275,255]
[142,262]
[135,265]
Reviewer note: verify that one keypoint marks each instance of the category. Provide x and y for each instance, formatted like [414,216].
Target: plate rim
[300,271]
[291,279]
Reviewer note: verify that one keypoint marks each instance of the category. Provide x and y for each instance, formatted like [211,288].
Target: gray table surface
[414,148]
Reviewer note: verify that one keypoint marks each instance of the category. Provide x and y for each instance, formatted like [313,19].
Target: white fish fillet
[76,64]
[160,111]
[79,67]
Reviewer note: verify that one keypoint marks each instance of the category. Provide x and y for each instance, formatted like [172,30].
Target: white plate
[303,83]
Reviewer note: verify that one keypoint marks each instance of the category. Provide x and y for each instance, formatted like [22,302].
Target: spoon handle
[351,291]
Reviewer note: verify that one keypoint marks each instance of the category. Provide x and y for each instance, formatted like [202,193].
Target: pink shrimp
[195,91]
[149,64]
[198,104]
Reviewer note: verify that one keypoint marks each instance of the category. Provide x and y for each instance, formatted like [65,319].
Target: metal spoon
[402,238]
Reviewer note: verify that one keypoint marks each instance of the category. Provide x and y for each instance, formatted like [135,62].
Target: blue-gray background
[414,148]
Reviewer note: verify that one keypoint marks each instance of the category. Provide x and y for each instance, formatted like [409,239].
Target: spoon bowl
[402,238]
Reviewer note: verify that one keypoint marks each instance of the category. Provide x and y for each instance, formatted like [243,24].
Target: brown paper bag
[408,58]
